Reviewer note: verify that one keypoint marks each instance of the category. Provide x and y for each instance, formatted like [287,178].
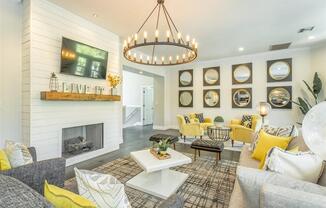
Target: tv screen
[83,60]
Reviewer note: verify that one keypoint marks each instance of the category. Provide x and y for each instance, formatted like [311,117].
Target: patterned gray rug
[208,184]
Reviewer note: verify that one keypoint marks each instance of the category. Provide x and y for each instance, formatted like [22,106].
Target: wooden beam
[62,96]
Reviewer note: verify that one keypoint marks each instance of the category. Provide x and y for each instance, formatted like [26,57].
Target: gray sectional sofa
[270,193]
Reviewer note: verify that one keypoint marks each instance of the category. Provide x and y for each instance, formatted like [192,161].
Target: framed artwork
[211,76]
[280,97]
[242,98]
[279,70]
[185,98]
[242,73]
[211,98]
[186,78]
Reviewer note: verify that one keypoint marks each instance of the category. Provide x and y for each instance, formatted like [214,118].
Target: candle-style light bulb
[147,59]
[170,59]
[155,59]
[145,36]
[179,37]
[135,38]
[196,45]
[177,58]
[129,53]
[168,35]
[184,56]
[135,56]
[188,39]
[156,35]
[193,41]
[141,58]
[129,40]
[162,59]
[124,44]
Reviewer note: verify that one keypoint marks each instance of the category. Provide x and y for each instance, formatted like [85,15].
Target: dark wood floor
[136,138]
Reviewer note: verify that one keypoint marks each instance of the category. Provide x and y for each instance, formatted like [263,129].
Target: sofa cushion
[18,154]
[4,162]
[16,194]
[252,180]
[245,158]
[246,121]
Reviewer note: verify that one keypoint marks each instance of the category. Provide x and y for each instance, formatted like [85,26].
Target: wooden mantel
[63,96]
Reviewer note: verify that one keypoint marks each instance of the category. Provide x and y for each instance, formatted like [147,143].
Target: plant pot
[219,124]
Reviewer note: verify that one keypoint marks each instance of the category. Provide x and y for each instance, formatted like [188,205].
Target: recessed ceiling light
[94,15]
[311,37]
[241,49]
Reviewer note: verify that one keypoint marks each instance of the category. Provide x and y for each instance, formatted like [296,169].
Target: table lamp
[314,129]
[263,109]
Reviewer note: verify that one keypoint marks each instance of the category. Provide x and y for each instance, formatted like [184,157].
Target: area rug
[208,185]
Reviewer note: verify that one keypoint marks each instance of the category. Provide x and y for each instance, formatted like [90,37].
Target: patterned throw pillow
[246,121]
[18,154]
[102,189]
[187,119]
[200,117]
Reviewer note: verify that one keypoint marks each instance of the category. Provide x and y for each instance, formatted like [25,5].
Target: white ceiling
[219,26]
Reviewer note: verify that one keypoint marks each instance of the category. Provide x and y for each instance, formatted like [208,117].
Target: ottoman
[158,137]
[208,145]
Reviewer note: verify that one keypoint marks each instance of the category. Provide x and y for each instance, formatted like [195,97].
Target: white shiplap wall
[48,24]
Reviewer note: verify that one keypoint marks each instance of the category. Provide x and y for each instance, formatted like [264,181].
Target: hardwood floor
[136,138]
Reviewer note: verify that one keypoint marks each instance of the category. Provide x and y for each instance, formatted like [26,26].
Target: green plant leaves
[317,84]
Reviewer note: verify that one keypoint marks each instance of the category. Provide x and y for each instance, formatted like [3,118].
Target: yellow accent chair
[242,133]
[192,129]
[207,121]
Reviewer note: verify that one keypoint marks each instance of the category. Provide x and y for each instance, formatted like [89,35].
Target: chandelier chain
[141,27]
[156,28]
[168,22]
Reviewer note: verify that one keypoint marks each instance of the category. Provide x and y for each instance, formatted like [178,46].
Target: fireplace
[81,139]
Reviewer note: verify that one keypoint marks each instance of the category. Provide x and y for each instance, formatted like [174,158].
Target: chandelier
[134,46]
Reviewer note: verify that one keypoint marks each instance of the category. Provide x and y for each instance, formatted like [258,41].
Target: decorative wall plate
[211,98]
[211,76]
[242,73]
[185,98]
[242,98]
[280,97]
[279,70]
[186,78]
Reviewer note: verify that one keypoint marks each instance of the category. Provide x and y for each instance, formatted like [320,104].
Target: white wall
[44,120]
[318,64]
[301,70]
[10,70]
[132,87]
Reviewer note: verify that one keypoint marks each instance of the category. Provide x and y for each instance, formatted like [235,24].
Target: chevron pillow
[102,189]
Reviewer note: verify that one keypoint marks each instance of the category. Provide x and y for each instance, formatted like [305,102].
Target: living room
[230,92]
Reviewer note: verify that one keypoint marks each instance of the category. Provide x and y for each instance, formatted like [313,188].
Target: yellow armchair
[189,129]
[242,133]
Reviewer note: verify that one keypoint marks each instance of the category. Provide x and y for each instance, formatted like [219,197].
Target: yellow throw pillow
[4,162]
[266,142]
[192,115]
[61,198]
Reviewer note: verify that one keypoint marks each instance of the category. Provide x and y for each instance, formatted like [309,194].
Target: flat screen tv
[83,60]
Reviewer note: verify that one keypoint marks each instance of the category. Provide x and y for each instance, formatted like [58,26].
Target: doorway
[148,105]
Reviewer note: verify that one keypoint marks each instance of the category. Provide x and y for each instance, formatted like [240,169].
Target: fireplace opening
[80,139]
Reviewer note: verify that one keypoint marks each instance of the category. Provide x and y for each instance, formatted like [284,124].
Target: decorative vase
[114,91]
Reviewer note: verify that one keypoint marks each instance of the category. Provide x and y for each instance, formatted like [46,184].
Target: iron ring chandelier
[173,38]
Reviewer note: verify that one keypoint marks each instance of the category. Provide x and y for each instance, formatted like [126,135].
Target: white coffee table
[157,179]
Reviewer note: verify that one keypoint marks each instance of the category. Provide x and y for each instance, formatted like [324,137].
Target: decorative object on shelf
[313,129]
[185,98]
[54,83]
[211,98]
[114,80]
[314,90]
[211,76]
[242,73]
[163,146]
[219,121]
[242,98]
[61,96]
[185,50]
[186,78]
[279,70]
[65,87]
[99,90]
[263,109]
[280,97]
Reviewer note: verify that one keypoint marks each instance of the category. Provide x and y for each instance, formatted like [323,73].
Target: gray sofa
[270,194]
[35,174]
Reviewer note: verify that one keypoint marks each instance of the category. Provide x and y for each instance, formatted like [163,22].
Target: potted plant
[114,80]
[219,121]
[163,146]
